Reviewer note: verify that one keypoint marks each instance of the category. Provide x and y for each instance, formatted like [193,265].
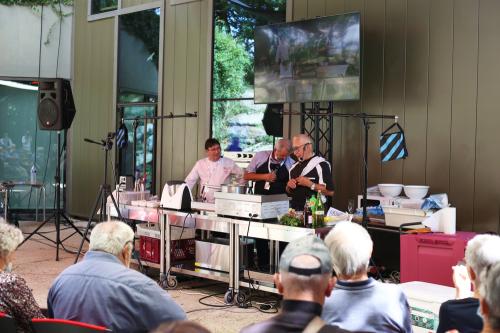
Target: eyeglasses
[298,147]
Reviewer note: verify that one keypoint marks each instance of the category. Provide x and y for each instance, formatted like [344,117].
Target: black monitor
[308,61]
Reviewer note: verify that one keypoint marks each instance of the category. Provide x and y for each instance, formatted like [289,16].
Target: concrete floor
[35,261]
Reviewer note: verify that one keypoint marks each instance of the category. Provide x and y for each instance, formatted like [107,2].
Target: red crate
[183,249]
[150,249]
[429,257]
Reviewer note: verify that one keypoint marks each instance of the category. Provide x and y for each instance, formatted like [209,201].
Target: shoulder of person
[11,279]
[227,161]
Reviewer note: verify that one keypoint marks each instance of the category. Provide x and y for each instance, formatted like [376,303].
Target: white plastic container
[425,299]
[394,217]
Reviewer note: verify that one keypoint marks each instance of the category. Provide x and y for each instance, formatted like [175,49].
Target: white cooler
[425,299]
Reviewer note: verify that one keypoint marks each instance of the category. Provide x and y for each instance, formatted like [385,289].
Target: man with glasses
[311,174]
[102,289]
[213,171]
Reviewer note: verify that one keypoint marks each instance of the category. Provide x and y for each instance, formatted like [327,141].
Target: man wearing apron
[310,175]
[269,169]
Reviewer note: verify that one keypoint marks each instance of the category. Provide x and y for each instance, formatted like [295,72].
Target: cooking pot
[239,189]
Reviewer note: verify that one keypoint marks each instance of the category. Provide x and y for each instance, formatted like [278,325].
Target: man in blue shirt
[103,290]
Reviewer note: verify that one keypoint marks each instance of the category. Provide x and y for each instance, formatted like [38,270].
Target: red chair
[46,325]
[7,323]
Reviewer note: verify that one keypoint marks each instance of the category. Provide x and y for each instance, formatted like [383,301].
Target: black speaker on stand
[273,120]
[56,110]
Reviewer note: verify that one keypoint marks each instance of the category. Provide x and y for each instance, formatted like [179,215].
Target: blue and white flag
[393,145]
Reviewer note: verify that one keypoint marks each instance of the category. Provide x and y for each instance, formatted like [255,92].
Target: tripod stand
[58,212]
[104,192]
[101,200]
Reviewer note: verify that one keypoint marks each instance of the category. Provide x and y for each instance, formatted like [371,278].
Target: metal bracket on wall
[316,120]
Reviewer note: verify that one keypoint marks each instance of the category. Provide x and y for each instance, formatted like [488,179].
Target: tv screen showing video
[308,61]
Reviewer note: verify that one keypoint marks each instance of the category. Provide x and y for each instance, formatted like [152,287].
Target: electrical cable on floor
[214,305]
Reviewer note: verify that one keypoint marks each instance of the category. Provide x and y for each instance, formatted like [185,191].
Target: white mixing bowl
[416,191]
[390,190]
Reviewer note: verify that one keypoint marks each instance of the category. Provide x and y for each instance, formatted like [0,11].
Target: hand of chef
[271,177]
[304,181]
[292,183]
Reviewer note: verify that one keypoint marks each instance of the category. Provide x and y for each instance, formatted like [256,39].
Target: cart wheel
[163,282]
[241,298]
[229,297]
[171,282]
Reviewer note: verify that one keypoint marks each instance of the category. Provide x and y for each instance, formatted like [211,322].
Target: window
[138,56]
[23,145]
[102,6]
[236,120]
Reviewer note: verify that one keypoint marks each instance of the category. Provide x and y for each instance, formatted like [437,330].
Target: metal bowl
[239,189]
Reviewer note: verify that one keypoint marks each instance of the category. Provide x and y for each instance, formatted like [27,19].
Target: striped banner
[393,145]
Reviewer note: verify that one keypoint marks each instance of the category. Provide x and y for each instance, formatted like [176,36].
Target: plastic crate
[429,257]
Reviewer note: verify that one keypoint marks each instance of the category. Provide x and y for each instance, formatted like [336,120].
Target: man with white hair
[481,252]
[490,299]
[311,174]
[269,169]
[360,303]
[304,279]
[103,290]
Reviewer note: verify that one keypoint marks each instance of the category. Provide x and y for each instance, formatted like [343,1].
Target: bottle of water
[33,174]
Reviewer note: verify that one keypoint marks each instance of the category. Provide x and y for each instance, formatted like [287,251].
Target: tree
[231,62]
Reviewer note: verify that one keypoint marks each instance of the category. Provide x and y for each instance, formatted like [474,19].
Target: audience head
[116,238]
[482,251]
[351,248]
[490,298]
[305,271]
[10,238]
[181,326]
[282,149]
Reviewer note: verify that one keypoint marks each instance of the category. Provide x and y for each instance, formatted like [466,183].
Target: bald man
[269,169]
[311,174]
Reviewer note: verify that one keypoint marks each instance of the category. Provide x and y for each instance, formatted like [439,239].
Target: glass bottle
[319,212]
[307,214]
[33,174]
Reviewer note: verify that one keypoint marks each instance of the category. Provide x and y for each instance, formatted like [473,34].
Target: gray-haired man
[269,168]
[304,279]
[102,290]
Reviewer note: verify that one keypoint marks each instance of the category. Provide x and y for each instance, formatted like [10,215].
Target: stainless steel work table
[212,223]
[273,232]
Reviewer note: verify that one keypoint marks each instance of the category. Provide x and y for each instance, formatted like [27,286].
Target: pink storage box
[429,257]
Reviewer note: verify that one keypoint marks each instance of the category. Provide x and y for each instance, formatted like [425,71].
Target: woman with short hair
[16,299]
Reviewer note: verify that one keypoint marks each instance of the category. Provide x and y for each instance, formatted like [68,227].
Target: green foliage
[239,18]
[231,61]
[145,26]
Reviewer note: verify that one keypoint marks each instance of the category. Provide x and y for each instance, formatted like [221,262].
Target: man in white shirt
[212,171]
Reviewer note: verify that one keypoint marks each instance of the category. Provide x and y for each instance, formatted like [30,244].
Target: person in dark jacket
[304,279]
[461,313]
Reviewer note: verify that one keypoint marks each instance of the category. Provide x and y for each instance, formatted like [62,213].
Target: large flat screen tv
[308,61]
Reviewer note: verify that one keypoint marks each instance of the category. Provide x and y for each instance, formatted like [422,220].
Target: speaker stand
[58,212]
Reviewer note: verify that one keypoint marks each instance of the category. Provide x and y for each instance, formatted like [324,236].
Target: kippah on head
[306,256]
